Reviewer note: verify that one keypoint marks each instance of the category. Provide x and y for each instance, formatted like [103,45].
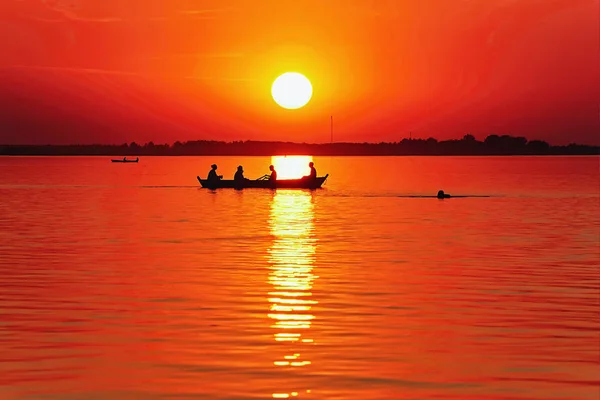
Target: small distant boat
[264,183]
[125,160]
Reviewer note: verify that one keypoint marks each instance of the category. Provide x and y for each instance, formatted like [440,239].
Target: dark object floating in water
[442,195]
[125,160]
[265,183]
[447,196]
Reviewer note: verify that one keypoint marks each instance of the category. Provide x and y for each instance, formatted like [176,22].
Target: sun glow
[291,167]
[291,90]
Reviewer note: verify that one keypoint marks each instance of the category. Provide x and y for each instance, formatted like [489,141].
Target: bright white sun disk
[291,90]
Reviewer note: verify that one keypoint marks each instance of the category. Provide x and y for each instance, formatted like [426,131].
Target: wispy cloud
[204,12]
[96,71]
[45,20]
[93,20]
[217,78]
[198,55]
[72,69]
[69,12]
[81,19]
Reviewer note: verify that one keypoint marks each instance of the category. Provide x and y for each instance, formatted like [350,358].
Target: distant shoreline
[493,145]
[132,157]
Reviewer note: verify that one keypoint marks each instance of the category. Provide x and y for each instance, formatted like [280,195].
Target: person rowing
[273,176]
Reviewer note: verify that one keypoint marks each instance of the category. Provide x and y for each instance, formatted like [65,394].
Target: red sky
[110,71]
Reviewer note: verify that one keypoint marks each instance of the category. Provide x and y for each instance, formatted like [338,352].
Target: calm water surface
[125,281]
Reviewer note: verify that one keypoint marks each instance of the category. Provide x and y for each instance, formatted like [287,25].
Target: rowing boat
[302,183]
[126,161]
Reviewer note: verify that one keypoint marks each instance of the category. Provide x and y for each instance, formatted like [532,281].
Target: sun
[291,90]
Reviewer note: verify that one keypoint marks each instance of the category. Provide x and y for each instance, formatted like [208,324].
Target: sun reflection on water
[291,259]
[291,167]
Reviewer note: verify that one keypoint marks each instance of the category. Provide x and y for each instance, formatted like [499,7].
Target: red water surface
[129,281]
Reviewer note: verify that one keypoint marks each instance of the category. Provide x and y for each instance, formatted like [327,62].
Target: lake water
[128,281]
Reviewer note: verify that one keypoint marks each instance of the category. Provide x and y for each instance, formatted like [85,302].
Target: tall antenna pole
[332,129]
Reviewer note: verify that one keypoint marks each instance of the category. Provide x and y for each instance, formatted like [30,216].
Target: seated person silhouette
[239,175]
[313,172]
[273,176]
[212,175]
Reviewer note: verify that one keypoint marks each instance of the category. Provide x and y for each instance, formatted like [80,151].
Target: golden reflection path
[291,262]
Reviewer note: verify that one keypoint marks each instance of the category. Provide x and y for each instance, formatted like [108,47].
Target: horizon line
[229,142]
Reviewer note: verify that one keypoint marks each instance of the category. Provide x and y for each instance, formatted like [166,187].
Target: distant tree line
[468,145]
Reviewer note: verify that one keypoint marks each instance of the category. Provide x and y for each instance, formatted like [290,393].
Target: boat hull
[124,161]
[265,184]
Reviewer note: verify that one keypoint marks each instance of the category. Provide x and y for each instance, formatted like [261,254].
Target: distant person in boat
[273,176]
[124,158]
[212,175]
[313,172]
[239,175]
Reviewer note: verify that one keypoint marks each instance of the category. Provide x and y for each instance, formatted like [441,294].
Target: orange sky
[84,71]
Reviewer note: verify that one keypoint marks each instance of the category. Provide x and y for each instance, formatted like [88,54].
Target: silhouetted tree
[538,147]
[492,140]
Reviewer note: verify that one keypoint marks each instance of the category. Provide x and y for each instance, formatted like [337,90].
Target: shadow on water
[291,263]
